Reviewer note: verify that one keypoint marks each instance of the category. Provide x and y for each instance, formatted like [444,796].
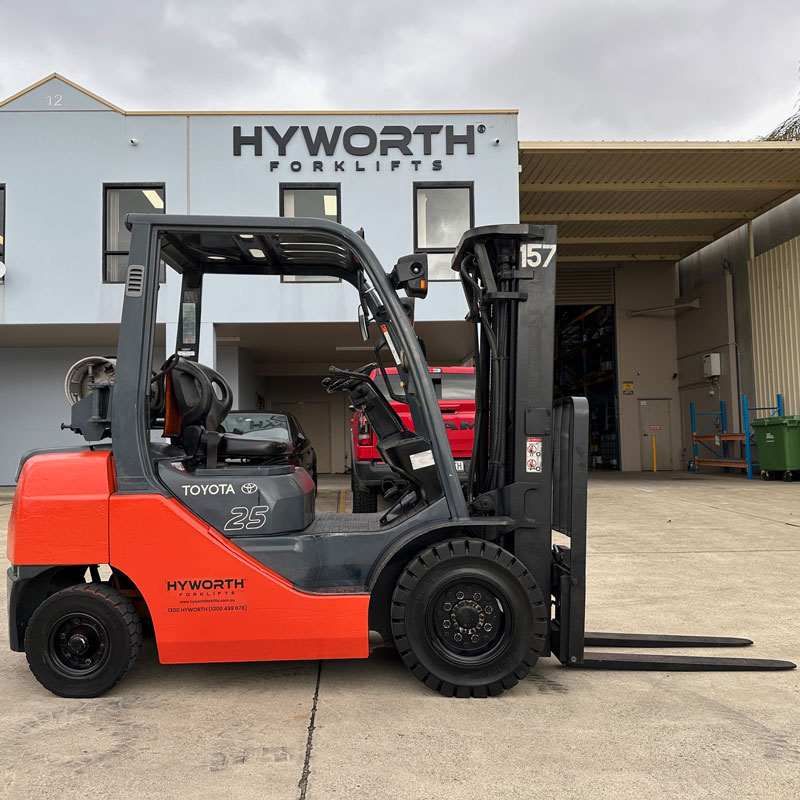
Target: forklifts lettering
[223,551]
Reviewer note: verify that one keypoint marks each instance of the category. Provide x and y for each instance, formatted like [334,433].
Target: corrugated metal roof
[623,201]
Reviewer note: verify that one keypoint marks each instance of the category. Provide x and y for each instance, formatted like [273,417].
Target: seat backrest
[203,398]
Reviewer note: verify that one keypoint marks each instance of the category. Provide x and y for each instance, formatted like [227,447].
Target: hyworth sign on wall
[357,148]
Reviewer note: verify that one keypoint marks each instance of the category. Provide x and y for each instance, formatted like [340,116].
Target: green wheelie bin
[778,441]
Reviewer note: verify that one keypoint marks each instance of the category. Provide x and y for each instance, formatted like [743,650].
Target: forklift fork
[568,637]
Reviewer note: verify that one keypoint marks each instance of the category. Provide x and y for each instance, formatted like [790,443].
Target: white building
[73,165]
[667,251]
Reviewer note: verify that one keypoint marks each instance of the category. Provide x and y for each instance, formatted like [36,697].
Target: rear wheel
[81,641]
[365,498]
[468,619]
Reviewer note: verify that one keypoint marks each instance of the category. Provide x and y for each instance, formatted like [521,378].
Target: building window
[316,200]
[119,201]
[442,212]
[3,224]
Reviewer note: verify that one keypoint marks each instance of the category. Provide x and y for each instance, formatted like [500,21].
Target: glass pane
[442,216]
[116,269]
[2,222]
[439,267]
[258,426]
[316,203]
[394,380]
[455,386]
[119,202]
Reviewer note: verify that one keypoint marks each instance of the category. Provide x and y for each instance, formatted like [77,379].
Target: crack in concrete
[694,502]
[302,784]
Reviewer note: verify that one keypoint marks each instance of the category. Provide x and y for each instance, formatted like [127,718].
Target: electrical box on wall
[711,365]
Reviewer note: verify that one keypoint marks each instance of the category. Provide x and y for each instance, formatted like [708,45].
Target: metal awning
[651,201]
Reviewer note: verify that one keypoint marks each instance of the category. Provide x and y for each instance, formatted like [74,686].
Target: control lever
[343,377]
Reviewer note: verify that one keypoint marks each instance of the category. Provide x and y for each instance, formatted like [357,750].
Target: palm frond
[787,131]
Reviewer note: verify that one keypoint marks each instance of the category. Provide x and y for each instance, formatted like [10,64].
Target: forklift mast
[529,459]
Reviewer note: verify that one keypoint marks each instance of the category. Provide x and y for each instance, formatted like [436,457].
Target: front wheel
[81,641]
[468,618]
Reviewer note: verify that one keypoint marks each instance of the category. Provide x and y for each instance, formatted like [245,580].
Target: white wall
[33,402]
[55,162]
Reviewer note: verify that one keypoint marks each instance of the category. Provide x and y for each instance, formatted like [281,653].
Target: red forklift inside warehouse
[164,517]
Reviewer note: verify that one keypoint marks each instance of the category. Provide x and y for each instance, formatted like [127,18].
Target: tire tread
[124,609]
[435,555]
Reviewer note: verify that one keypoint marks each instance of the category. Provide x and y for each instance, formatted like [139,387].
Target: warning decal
[533,454]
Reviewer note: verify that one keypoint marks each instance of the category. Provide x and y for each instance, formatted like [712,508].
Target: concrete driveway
[670,553]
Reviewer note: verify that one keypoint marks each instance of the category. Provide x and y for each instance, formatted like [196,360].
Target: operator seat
[202,399]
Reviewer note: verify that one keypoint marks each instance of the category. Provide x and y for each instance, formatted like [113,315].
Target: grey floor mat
[340,523]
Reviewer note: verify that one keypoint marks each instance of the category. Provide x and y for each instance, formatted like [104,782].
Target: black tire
[432,607]
[365,498]
[81,641]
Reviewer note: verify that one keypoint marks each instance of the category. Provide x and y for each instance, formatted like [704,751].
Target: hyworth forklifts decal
[207,584]
[361,141]
[196,595]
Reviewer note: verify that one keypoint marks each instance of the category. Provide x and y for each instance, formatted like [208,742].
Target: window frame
[440,185]
[311,185]
[106,252]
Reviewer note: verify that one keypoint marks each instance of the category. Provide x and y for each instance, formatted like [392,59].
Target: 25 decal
[250,519]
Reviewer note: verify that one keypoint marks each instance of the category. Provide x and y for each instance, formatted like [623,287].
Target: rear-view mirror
[410,273]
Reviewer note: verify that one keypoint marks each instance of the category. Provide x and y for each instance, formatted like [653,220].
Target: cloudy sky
[576,69]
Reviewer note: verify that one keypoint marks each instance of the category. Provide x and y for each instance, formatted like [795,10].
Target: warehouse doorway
[586,365]
[655,431]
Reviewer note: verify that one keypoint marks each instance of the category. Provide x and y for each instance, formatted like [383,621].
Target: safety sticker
[395,354]
[533,454]
[189,319]
[421,460]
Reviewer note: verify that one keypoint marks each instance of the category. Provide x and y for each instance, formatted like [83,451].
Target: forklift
[166,520]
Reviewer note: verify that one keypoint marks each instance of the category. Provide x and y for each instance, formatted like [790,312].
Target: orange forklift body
[245,612]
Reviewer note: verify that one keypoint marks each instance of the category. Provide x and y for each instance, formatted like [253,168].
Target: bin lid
[791,420]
